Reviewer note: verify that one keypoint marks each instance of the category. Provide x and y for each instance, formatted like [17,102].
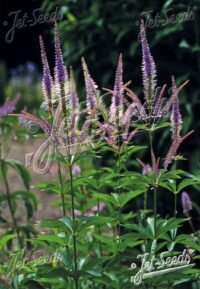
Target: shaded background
[99,31]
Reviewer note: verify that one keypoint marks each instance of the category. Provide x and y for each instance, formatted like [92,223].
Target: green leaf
[126,197]
[166,225]
[51,238]
[55,224]
[185,183]
[29,200]
[4,239]
[144,232]
[105,197]
[21,170]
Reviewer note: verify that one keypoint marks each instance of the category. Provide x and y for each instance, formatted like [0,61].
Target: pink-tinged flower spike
[47,82]
[169,103]
[60,72]
[148,67]
[91,88]
[117,94]
[173,149]
[73,93]
[186,203]
[157,107]
[43,124]
[176,119]
[139,108]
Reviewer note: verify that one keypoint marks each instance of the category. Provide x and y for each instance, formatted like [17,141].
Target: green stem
[62,189]
[74,235]
[119,208]
[175,205]
[12,213]
[98,205]
[14,220]
[154,185]
[145,204]
[155,211]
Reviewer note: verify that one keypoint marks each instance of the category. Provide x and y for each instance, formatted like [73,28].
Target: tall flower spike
[60,70]
[170,101]
[118,91]
[176,119]
[148,67]
[91,88]
[47,82]
[176,142]
[158,104]
[118,86]
[73,93]
[60,74]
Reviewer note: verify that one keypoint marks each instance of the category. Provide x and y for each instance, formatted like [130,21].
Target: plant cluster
[97,238]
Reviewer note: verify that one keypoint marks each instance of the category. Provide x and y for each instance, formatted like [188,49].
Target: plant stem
[12,213]
[74,235]
[98,204]
[155,210]
[154,186]
[175,205]
[145,204]
[62,189]
[14,220]
[119,208]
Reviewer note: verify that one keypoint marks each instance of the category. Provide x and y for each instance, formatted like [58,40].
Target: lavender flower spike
[186,203]
[148,67]
[47,82]
[118,87]
[60,71]
[73,93]
[118,90]
[60,74]
[176,119]
[90,88]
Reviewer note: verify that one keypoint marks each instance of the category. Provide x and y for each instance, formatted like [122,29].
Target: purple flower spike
[148,67]
[176,119]
[73,93]
[47,79]
[118,91]
[118,87]
[60,71]
[186,203]
[91,88]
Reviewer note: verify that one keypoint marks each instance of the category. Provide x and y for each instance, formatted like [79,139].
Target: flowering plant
[98,236]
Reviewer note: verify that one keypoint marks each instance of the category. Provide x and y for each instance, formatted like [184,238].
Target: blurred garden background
[99,31]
